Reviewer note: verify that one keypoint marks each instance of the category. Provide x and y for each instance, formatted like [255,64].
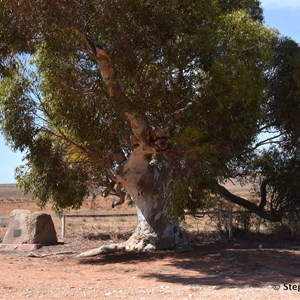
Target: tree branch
[264,142]
[138,122]
[267,141]
[248,205]
[90,49]
[63,137]
[263,193]
[179,114]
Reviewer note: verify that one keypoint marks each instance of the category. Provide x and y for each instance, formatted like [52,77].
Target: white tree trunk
[145,182]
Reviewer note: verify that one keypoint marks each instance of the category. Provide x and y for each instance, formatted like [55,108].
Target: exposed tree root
[142,245]
[106,249]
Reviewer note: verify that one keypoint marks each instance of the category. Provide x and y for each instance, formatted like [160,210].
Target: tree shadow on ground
[122,236]
[220,264]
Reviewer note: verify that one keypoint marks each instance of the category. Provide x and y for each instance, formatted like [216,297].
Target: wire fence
[228,218]
[228,214]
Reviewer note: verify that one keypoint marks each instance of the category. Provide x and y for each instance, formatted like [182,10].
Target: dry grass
[108,229]
[89,229]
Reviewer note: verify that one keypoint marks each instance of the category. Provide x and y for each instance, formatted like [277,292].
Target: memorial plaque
[27,227]
[17,233]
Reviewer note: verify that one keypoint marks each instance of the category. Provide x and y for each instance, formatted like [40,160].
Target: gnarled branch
[179,114]
[263,193]
[258,210]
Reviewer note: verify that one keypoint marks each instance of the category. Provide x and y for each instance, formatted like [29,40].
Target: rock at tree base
[29,228]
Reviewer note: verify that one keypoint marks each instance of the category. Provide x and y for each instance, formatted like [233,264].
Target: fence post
[63,227]
[229,223]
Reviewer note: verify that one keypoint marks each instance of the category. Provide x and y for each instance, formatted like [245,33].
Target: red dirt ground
[216,269]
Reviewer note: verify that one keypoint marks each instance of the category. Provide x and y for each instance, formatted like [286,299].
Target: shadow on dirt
[249,263]
[107,236]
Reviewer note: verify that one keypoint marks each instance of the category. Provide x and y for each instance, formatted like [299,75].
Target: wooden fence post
[229,224]
[63,227]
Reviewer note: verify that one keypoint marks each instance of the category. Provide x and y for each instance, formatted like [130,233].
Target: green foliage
[17,115]
[284,91]
[215,55]
[75,100]
[50,177]
[251,6]
[282,169]
[188,195]
[229,107]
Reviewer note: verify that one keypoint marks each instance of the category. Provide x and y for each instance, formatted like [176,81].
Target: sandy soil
[216,269]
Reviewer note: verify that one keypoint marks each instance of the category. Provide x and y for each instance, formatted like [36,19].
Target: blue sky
[281,14]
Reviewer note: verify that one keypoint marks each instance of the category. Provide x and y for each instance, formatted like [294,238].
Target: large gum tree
[160,100]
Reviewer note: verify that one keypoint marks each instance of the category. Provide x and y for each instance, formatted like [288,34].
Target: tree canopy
[207,72]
